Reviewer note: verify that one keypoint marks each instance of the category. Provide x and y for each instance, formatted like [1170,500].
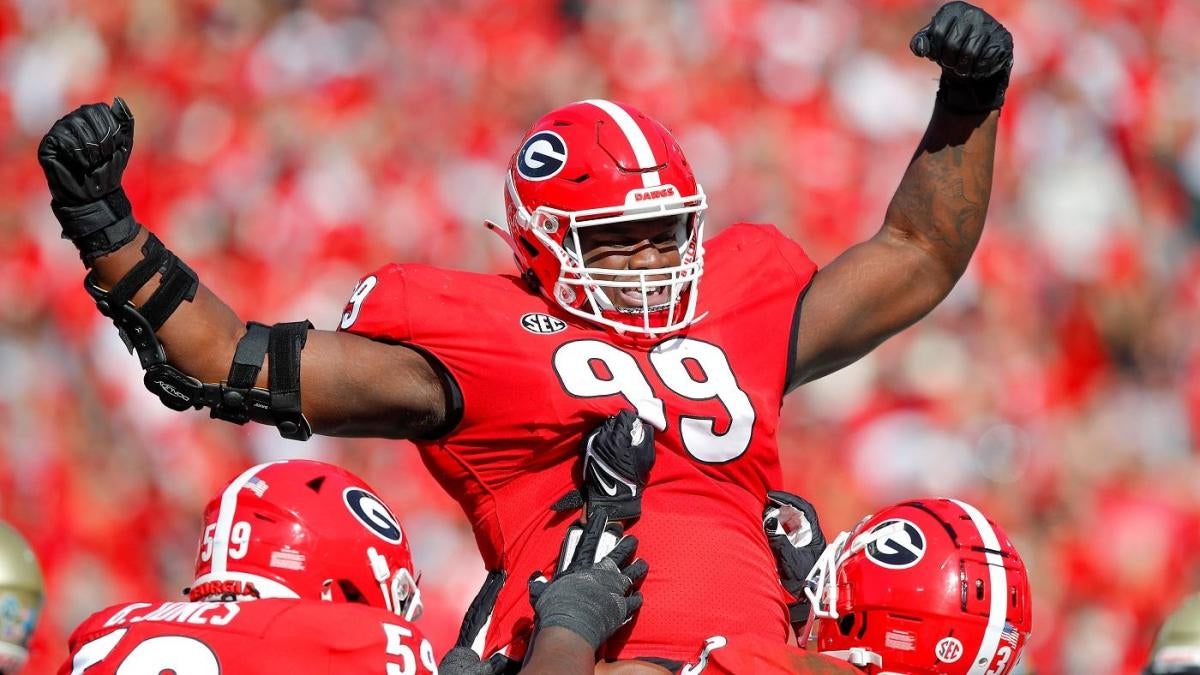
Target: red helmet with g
[596,164]
[925,586]
[304,529]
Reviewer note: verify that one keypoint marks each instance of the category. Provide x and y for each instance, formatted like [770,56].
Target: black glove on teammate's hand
[591,599]
[462,659]
[795,537]
[976,55]
[617,459]
[83,156]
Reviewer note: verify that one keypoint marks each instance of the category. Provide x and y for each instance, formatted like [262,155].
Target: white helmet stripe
[998,581]
[637,139]
[220,554]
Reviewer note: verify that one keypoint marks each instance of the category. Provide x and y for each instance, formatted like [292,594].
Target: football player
[301,568]
[1177,645]
[496,377]
[21,593]
[621,452]
[925,586]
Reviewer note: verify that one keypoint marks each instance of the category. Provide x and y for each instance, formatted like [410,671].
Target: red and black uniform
[534,379]
[260,637]
[737,656]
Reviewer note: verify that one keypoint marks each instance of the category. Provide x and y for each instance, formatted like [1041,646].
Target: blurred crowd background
[285,148]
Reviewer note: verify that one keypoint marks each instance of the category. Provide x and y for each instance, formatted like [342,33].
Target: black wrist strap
[100,227]
[248,357]
[179,283]
[967,96]
[137,325]
[286,342]
[154,256]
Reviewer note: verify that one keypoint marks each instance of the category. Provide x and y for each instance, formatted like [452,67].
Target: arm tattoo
[943,198]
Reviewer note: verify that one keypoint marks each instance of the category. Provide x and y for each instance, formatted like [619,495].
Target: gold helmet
[21,592]
[1177,646]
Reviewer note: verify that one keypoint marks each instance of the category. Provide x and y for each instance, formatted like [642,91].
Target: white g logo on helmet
[373,514]
[899,550]
[542,156]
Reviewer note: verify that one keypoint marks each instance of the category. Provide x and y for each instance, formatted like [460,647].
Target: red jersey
[260,637]
[534,379]
[744,654]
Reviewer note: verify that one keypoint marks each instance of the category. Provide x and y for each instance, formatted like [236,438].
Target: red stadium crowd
[286,148]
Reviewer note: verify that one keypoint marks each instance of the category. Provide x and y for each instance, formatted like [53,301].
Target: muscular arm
[350,386]
[883,285]
[558,651]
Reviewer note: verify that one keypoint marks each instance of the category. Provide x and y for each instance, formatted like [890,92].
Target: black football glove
[591,598]
[976,55]
[617,458]
[83,156]
[796,540]
[463,659]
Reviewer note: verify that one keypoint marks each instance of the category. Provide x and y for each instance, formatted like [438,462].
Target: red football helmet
[591,164]
[925,586]
[304,529]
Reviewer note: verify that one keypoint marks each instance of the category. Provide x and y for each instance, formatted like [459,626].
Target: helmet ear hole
[852,624]
[350,591]
[845,624]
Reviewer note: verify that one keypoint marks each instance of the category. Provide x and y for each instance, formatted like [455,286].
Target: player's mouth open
[632,297]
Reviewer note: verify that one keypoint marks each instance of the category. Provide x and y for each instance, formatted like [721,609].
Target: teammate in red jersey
[922,587]
[497,376]
[302,569]
[325,563]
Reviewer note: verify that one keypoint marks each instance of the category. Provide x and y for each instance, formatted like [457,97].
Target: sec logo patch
[948,650]
[542,324]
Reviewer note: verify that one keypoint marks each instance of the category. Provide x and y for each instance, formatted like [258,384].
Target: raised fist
[83,156]
[84,153]
[975,52]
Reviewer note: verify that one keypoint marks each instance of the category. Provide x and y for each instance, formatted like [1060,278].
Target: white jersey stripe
[998,582]
[220,554]
[637,139]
